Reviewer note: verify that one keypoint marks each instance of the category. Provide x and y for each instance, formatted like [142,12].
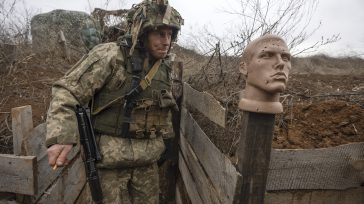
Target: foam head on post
[266,63]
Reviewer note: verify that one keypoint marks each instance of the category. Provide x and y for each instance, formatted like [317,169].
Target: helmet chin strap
[169,49]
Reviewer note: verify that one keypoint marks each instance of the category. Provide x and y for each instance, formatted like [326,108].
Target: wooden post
[22,124]
[254,155]
[63,42]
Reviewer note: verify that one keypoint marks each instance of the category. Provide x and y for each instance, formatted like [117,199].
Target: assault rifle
[92,154]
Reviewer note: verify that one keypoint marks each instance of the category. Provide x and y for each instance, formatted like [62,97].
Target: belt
[138,134]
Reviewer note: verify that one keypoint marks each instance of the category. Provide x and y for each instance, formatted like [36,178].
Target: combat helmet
[149,15]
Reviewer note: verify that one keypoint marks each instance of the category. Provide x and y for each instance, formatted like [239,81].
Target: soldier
[130,130]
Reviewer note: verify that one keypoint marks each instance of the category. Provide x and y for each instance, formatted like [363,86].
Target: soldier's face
[269,66]
[159,42]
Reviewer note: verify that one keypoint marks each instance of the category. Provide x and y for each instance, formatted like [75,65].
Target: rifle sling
[144,83]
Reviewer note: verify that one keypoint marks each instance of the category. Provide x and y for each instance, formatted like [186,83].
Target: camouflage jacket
[102,66]
[78,87]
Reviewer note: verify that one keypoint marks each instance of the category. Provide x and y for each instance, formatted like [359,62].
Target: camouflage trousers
[136,185]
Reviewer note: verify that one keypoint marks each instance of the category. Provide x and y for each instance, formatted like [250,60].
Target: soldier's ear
[243,68]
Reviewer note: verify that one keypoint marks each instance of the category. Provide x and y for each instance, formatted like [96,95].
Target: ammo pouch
[166,100]
[118,152]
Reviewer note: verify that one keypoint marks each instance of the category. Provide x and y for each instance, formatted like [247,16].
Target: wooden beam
[22,124]
[181,191]
[217,166]
[204,186]
[67,187]
[188,181]
[62,41]
[178,195]
[254,155]
[205,103]
[35,142]
[18,174]
[35,146]
[50,176]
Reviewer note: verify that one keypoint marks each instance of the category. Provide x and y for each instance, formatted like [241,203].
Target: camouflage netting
[45,29]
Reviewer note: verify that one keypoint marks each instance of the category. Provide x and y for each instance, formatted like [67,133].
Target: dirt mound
[321,124]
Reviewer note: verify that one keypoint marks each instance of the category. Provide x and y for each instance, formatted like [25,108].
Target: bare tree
[290,19]
[14,34]
[14,21]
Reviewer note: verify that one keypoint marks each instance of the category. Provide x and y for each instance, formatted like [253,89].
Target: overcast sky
[337,17]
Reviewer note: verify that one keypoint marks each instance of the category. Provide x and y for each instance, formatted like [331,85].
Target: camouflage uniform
[128,170]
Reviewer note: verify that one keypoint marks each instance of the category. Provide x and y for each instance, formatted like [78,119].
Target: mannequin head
[266,63]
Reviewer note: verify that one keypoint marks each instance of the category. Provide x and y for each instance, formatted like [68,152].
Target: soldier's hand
[57,154]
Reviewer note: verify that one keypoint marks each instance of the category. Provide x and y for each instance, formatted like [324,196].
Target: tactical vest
[151,116]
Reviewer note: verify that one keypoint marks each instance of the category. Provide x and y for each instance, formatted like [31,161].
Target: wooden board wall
[68,185]
[326,175]
[205,103]
[36,146]
[18,174]
[215,165]
[31,174]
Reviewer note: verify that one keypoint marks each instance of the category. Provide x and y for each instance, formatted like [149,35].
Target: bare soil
[26,83]
[321,111]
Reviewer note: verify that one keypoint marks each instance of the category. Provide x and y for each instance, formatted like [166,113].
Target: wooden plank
[178,195]
[36,147]
[188,181]
[85,196]
[204,187]
[205,103]
[352,196]
[301,197]
[325,168]
[68,186]
[253,154]
[35,143]
[218,167]
[182,197]
[279,198]
[48,174]
[22,124]
[324,197]
[18,174]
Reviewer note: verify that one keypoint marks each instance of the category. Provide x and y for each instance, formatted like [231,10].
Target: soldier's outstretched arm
[77,87]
